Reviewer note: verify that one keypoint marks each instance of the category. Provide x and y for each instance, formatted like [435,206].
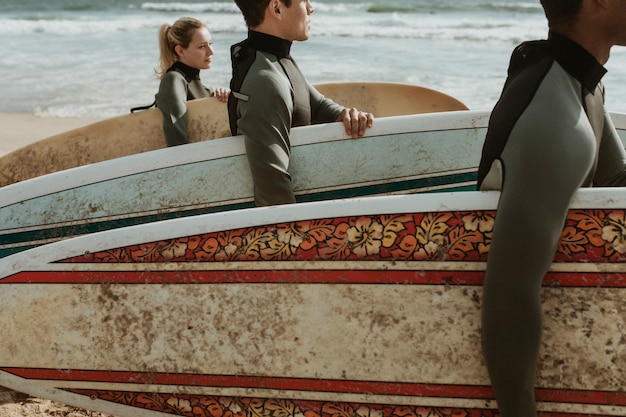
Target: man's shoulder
[241,51]
[266,84]
[528,54]
[265,74]
[251,63]
[257,76]
[543,88]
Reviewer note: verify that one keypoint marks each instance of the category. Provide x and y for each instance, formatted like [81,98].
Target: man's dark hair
[254,10]
[561,12]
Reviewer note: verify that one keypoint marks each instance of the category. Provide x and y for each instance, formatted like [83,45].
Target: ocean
[96,58]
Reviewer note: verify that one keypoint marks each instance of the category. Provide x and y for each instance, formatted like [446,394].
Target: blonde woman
[186,48]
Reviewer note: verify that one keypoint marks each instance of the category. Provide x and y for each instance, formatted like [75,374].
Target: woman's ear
[179,50]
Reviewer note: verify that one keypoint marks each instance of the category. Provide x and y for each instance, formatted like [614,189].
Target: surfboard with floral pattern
[361,307]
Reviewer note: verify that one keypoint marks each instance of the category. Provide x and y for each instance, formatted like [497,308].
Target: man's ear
[275,8]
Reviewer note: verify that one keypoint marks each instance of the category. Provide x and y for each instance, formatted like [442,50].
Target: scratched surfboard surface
[367,307]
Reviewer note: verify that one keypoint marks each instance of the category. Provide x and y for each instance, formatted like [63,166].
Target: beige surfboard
[390,99]
[207,119]
[108,139]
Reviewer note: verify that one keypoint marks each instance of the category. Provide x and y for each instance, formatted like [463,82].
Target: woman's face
[199,52]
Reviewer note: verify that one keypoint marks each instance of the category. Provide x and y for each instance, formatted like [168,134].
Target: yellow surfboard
[207,119]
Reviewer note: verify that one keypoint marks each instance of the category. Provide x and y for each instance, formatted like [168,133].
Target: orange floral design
[580,230]
[179,405]
[589,235]
[365,236]
[482,222]
[304,235]
[441,236]
[587,230]
[614,232]
[227,246]
[337,410]
[393,226]
[211,406]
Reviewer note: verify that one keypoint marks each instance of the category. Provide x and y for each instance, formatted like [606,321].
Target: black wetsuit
[269,97]
[180,84]
[548,135]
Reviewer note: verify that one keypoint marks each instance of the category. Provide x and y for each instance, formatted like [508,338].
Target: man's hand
[355,121]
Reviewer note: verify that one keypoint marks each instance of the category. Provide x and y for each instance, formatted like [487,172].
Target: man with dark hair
[270,95]
[548,135]
[561,12]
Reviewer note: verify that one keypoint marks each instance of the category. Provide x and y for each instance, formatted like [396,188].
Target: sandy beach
[20,130]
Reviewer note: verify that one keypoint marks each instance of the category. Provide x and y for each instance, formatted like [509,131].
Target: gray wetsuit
[548,135]
[180,84]
[269,97]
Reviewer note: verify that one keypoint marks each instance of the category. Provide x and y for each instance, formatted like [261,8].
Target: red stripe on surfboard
[272,383]
[404,277]
[314,385]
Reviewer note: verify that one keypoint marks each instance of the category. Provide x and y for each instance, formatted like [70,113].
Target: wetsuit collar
[190,73]
[269,43]
[576,60]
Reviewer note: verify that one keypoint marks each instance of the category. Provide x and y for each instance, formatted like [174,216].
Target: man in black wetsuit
[270,95]
[548,135]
